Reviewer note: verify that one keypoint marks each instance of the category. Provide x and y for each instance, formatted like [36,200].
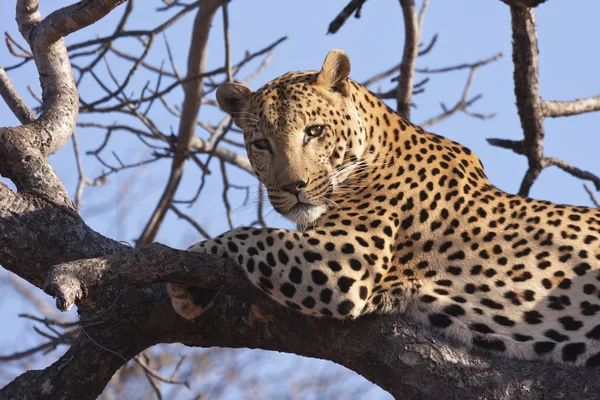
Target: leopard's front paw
[190,301]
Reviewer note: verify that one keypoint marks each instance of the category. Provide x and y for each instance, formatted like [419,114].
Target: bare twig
[187,218]
[460,66]
[576,172]
[227,43]
[592,195]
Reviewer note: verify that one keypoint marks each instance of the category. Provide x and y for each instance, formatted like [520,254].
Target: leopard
[392,219]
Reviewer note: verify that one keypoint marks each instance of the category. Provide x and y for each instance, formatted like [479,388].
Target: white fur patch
[305,215]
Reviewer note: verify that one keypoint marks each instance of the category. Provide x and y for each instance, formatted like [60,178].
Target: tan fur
[395,219]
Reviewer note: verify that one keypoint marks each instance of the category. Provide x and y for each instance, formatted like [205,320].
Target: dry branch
[191,105]
[412,33]
[117,322]
[353,7]
[14,100]
[566,108]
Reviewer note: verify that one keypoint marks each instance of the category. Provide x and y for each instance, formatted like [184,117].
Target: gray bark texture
[121,297]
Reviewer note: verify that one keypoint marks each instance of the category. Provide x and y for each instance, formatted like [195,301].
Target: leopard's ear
[233,98]
[334,72]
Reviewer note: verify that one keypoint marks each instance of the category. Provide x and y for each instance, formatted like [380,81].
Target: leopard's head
[302,133]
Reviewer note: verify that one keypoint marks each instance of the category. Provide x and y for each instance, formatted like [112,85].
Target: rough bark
[124,308]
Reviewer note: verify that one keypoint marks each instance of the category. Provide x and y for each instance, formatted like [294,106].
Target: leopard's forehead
[288,101]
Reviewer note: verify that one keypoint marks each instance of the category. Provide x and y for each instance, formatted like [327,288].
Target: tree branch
[352,7]
[191,105]
[412,32]
[529,104]
[14,101]
[566,108]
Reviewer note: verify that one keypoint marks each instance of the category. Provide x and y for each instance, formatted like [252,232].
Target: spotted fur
[396,219]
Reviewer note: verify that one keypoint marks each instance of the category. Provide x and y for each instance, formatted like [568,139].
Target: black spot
[344,283]
[232,247]
[271,260]
[407,222]
[594,333]
[379,242]
[556,336]
[355,265]
[571,351]
[334,266]
[311,256]
[522,338]
[454,310]
[502,320]
[265,269]
[293,305]
[492,304]
[532,317]
[582,269]
[589,239]
[363,292]
[288,290]
[283,257]
[459,255]
[326,312]
[543,347]
[345,307]
[589,288]
[265,283]
[481,328]
[318,277]
[295,275]
[325,295]
[570,324]
[250,265]
[565,283]
[489,344]
[348,248]
[454,270]
[427,298]
[405,258]
[440,320]
[308,302]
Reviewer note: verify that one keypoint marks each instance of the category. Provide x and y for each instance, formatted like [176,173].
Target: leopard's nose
[294,187]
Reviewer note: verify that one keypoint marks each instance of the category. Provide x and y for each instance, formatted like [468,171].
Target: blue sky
[469,30]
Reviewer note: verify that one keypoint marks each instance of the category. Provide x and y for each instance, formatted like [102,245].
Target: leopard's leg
[317,272]
[190,301]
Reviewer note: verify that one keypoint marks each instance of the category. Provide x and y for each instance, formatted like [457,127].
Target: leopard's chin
[305,214]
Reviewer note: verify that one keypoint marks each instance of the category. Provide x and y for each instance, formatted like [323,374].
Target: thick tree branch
[529,104]
[415,363]
[412,32]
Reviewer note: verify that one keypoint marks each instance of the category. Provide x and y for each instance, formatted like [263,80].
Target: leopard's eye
[262,144]
[314,131]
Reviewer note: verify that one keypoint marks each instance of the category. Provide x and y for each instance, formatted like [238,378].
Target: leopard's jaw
[305,214]
[421,230]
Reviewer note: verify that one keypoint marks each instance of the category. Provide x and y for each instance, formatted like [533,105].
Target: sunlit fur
[399,220]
